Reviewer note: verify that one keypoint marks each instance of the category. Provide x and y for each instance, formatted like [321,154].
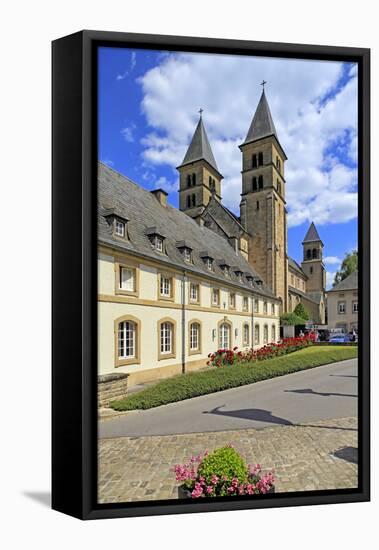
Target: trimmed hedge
[194,384]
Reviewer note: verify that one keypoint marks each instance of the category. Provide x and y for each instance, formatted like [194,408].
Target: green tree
[291,319]
[300,311]
[348,266]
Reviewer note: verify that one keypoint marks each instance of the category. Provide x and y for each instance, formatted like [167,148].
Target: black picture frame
[74,151]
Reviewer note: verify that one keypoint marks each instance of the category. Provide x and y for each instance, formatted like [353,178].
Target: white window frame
[119,228]
[127,340]
[166,338]
[122,269]
[158,243]
[187,255]
[194,296]
[232,300]
[355,306]
[273,333]
[224,333]
[245,303]
[256,305]
[209,263]
[195,336]
[265,334]
[272,309]
[265,307]
[215,292]
[341,308]
[165,286]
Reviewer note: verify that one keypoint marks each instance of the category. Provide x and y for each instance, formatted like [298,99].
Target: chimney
[160,195]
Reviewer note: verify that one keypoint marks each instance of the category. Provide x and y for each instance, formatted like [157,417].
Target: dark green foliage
[223,462]
[348,266]
[291,319]
[198,383]
[300,311]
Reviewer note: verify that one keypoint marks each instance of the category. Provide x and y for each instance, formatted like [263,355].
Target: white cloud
[332,260]
[128,133]
[166,185]
[133,62]
[319,186]
[330,279]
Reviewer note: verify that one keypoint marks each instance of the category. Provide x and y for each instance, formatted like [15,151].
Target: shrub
[223,357]
[225,463]
[222,473]
[290,319]
[300,311]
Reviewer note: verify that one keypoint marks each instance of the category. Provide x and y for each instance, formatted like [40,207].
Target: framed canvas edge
[84,376]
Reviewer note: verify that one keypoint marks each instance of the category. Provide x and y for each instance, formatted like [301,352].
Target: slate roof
[227,221]
[200,148]
[312,234]
[350,283]
[292,263]
[262,124]
[144,211]
[310,297]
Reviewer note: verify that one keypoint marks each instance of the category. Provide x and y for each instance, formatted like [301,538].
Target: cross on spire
[201,112]
[263,83]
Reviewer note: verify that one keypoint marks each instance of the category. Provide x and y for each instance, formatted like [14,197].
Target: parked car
[339,338]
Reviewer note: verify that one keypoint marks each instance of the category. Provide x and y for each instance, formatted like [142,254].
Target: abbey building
[259,233]
[176,284]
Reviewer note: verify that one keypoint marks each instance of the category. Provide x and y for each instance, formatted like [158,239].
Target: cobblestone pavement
[321,455]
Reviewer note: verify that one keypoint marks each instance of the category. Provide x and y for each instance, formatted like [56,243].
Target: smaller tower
[312,263]
[199,174]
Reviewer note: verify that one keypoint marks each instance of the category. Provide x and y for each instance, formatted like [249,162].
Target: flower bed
[235,356]
[222,473]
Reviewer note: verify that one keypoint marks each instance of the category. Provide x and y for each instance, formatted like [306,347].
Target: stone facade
[342,302]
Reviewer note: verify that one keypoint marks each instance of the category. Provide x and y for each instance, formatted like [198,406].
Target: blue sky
[148,110]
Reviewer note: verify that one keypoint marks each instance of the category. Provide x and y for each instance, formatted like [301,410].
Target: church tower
[262,208]
[199,175]
[312,263]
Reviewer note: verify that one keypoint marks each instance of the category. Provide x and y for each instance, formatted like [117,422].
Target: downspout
[252,321]
[183,303]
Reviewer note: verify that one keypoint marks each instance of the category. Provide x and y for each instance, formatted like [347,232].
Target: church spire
[312,234]
[262,124]
[199,148]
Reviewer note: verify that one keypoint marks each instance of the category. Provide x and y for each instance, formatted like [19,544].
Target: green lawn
[194,384]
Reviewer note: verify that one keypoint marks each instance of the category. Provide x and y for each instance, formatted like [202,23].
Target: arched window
[194,337]
[279,187]
[309,254]
[273,333]
[314,253]
[256,335]
[127,333]
[255,184]
[188,180]
[189,201]
[224,336]
[260,159]
[260,182]
[254,161]
[311,270]
[126,340]
[193,180]
[245,334]
[193,200]
[265,334]
[166,339]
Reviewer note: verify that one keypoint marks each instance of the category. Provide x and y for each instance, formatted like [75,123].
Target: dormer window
[225,269]
[156,239]
[119,228]
[208,261]
[185,250]
[158,243]
[250,279]
[238,274]
[116,222]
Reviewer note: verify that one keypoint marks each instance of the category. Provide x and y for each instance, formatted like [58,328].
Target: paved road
[324,392]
